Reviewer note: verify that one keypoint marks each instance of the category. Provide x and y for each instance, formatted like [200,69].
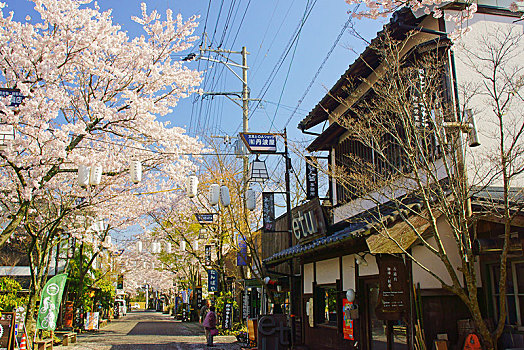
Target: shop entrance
[380,334]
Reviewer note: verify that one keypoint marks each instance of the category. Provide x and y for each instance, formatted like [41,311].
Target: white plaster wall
[433,263]
[348,272]
[370,269]
[484,28]
[308,278]
[328,271]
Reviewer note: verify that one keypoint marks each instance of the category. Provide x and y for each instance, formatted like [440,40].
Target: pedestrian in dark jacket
[210,324]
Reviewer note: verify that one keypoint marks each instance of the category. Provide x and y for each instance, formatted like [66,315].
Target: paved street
[149,331]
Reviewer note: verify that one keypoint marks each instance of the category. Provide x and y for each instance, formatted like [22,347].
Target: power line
[344,28]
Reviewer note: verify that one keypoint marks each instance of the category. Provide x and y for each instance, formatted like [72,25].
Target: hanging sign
[206,218]
[268,211]
[198,296]
[311,178]
[242,256]
[212,280]
[15,94]
[207,255]
[50,302]
[7,330]
[259,142]
[245,305]
[347,325]
[227,320]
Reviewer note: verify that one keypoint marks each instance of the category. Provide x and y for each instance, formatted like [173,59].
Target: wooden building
[372,249]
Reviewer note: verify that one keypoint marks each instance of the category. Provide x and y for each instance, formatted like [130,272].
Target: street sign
[212,281]
[16,96]
[259,142]
[311,178]
[205,218]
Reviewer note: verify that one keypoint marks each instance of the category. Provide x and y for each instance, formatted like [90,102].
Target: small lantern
[183,246]
[135,171]
[108,240]
[192,186]
[83,175]
[202,233]
[225,200]
[258,171]
[168,247]
[145,265]
[473,136]
[251,199]
[214,194]
[139,246]
[95,175]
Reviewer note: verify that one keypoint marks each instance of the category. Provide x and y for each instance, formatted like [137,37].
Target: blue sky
[265,28]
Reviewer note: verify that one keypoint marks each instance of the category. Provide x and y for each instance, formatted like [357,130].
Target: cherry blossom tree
[92,97]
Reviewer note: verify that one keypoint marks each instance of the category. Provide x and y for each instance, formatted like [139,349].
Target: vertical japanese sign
[7,330]
[207,258]
[347,325]
[50,302]
[198,296]
[242,256]
[268,211]
[393,288]
[245,305]
[227,321]
[311,178]
[212,280]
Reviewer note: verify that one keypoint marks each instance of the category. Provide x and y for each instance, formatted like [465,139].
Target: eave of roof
[327,138]
[360,68]
[359,227]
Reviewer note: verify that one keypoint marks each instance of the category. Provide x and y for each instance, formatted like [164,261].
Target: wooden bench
[67,337]
[45,344]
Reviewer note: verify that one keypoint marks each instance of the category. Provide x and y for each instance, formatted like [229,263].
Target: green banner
[50,302]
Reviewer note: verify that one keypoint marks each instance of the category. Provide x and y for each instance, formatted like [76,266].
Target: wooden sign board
[7,330]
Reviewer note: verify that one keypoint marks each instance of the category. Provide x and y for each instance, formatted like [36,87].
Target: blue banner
[212,281]
[242,257]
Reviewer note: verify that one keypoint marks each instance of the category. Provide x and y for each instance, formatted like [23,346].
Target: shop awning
[400,236]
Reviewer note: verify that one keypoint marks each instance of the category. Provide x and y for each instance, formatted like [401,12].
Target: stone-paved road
[149,331]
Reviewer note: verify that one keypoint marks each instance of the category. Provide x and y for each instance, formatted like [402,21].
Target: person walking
[210,324]
[204,309]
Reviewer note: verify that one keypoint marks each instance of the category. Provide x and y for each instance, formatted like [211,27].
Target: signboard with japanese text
[205,218]
[393,288]
[347,324]
[212,280]
[308,221]
[15,94]
[207,255]
[268,211]
[311,178]
[198,296]
[7,330]
[227,320]
[259,142]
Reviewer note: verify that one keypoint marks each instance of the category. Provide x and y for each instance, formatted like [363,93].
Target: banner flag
[50,302]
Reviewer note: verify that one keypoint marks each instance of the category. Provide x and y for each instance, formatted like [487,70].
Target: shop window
[326,305]
[514,291]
